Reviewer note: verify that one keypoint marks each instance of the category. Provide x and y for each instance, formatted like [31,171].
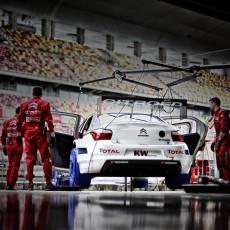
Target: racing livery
[132,145]
[128,144]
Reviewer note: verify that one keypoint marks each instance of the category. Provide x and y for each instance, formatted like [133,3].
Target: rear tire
[140,182]
[176,182]
[75,177]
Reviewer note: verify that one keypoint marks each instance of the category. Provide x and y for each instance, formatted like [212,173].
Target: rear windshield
[108,117]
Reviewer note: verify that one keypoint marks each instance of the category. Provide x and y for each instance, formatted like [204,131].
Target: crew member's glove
[218,144]
[52,142]
[4,151]
[19,140]
[44,130]
[213,146]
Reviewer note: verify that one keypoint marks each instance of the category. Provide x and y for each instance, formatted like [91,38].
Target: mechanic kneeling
[12,150]
[35,113]
[221,144]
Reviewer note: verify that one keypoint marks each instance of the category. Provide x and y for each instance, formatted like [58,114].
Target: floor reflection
[44,210]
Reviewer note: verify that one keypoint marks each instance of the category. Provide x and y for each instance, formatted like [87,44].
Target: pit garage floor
[113,210]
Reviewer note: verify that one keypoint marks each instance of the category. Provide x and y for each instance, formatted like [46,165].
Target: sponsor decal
[33,119]
[176,152]
[170,163]
[119,162]
[143,133]
[35,112]
[186,152]
[155,102]
[82,150]
[108,151]
[140,153]
[57,118]
[11,129]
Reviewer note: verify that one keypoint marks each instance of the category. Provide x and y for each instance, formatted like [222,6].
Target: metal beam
[175,68]
[142,84]
[96,80]
[148,71]
[193,76]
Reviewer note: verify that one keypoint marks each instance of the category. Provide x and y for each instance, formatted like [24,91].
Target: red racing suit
[14,151]
[222,124]
[35,113]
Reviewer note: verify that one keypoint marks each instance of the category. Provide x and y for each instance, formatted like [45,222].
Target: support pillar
[110,42]
[46,28]
[185,59]
[13,20]
[52,29]
[137,49]
[80,36]
[162,54]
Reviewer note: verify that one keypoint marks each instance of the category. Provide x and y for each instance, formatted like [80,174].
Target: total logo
[176,152]
[108,151]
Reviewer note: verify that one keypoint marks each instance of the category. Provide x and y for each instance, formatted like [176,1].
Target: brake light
[103,134]
[178,137]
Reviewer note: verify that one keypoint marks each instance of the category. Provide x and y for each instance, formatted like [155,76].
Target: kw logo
[140,153]
[143,133]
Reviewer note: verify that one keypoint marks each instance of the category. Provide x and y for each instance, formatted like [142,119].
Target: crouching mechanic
[12,149]
[221,144]
[35,113]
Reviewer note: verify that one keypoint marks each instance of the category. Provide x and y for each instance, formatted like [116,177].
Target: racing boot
[49,186]
[10,187]
[30,186]
[225,175]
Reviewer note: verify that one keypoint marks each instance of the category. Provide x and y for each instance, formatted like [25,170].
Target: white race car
[134,145]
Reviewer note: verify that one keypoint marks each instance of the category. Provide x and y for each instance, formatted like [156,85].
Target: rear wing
[152,102]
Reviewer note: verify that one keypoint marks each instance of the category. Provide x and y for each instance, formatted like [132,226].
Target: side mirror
[80,135]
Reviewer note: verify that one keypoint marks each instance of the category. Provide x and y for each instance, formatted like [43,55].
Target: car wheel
[140,182]
[75,177]
[176,182]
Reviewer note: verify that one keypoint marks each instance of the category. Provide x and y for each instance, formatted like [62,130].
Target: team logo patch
[13,123]
[32,105]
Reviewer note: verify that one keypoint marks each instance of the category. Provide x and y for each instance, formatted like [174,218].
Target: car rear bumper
[158,168]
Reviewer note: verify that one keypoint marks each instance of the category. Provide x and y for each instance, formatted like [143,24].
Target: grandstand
[10,100]
[32,54]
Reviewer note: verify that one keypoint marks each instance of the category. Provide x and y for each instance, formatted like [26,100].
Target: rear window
[126,117]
